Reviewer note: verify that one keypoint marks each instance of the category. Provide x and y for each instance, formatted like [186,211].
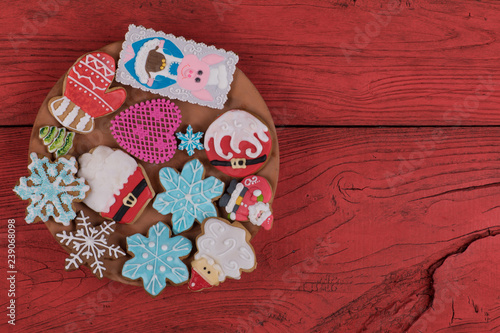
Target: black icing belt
[247,162]
[136,192]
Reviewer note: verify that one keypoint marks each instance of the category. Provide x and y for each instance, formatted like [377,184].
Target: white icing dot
[91,73]
[95,97]
[164,247]
[98,54]
[97,76]
[145,255]
[188,196]
[162,268]
[170,258]
[107,62]
[86,69]
[151,244]
[85,91]
[102,80]
[103,105]
[149,267]
[80,65]
[80,89]
[192,284]
[76,85]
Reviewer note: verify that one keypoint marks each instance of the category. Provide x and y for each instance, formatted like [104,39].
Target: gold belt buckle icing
[238,163]
[130,200]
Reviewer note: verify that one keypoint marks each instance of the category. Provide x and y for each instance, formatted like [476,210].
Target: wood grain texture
[328,62]
[371,225]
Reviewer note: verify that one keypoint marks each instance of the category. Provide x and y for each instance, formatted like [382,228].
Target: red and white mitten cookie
[85,93]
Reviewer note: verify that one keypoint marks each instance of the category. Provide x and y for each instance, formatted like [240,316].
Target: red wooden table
[388,204]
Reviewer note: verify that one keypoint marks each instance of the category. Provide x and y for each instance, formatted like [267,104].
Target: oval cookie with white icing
[238,143]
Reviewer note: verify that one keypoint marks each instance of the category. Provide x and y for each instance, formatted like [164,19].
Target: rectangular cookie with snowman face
[175,67]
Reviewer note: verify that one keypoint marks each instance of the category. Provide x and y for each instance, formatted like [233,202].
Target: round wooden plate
[243,95]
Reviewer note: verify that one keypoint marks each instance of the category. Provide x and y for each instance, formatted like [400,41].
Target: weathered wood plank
[364,62]
[365,219]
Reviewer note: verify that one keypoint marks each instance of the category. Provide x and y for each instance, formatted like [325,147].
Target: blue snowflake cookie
[187,196]
[157,258]
[190,141]
[51,188]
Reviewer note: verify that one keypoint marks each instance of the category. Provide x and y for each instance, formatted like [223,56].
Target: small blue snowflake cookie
[157,258]
[187,196]
[51,188]
[190,141]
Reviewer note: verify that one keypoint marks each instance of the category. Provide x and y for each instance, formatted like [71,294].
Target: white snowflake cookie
[90,245]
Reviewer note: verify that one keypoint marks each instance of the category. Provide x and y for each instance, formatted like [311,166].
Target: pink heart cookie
[146,130]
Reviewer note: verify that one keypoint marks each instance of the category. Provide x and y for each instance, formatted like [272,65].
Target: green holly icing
[44,131]
[50,136]
[59,141]
[67,145]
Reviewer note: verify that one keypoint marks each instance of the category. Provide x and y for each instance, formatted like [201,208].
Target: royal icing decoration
[248,200]
[86,95]
[224,250]
[237,143]
[51,188]
[120,188]
[187,196]
[90,245]
[177,68]
[190,141]
[59,141]
[157,258]
[146,130]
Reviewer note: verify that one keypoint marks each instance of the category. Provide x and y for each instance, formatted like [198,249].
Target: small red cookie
[238,143]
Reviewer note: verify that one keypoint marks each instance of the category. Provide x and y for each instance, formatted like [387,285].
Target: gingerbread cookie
[120,187]
[89,245]
[224,250]
[187,196]
[86,95]
[237,143]
[248,200]
[190,141]
[157,258]
[176,68]
[58,141]
[51,189]
[146,130]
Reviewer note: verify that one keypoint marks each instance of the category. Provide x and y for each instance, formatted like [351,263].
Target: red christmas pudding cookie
[238,143]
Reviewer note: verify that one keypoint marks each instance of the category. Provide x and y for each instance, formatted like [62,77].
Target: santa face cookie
[120,187]
[237,143]
[174,67]
[248,200]
[224,250]
[86,95]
